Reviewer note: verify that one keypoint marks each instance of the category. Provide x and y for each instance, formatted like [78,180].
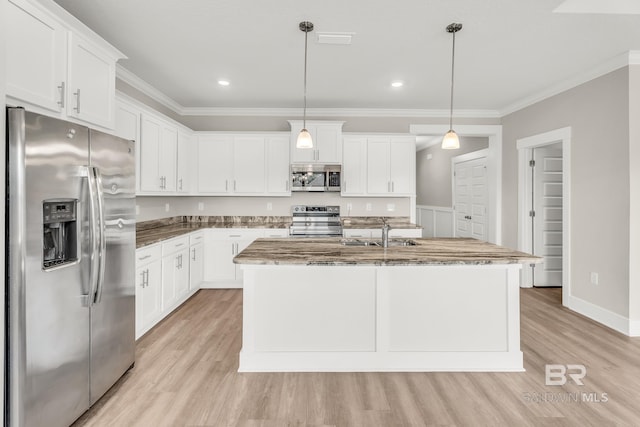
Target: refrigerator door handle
[102,238]
[98,242]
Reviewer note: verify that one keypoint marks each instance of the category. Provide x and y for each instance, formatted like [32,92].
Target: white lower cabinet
[175,271]
[221,246]
[196,260]
[148,288]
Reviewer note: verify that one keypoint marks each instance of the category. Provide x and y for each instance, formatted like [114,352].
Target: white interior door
[471,198]
[547,214]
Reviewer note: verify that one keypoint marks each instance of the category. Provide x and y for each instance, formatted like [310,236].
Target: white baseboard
[634,328]
[604,316]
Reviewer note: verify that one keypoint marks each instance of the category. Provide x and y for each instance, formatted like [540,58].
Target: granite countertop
[329,251]
[155,231]
[351,222]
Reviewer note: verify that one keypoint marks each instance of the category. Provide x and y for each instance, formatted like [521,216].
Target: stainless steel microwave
[315,177]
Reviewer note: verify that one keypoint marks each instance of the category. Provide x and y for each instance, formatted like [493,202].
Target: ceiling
[507,51]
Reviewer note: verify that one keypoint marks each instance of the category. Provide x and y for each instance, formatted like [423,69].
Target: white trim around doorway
[494,165]
[562,135]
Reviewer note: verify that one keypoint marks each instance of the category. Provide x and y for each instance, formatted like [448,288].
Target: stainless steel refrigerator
[70,267]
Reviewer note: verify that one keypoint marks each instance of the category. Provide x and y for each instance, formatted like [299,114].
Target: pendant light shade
[451,140]
[304,137]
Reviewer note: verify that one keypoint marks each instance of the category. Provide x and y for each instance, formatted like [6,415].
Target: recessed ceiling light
[397,84]
[223,82]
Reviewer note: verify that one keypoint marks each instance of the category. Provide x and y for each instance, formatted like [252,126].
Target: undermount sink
[370,242]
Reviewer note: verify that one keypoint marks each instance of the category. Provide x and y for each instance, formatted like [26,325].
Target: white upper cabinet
[354,166]
[242,164]
[55,68]
[158,151]
[91,81]
[215,167]
[36,56]
[278,171]
[184,171]
[248,165]
[327,142]
[391,166]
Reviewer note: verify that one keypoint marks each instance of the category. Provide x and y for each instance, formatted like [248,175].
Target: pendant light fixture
[304,137]
[450,140]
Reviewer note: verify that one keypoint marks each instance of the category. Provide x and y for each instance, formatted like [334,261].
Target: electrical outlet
[368,207]
[269,206]
[429,156]
[594,278]
[391,207]
[167,207]
[200,206]
[349,207]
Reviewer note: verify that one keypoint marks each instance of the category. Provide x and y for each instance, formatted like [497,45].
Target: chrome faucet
[385,233]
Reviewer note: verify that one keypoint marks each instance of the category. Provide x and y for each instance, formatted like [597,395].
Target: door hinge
[532,163]
[532,213]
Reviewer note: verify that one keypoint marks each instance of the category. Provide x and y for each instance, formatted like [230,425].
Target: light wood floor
[185,375]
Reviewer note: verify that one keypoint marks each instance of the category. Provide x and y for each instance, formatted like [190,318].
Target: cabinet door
[378,166]
[354,167]
[36,56]
[402,166]
[148,293]
[328,144]
[167,157]
[91,83]
[127,126]
[215,164]
[220,253]
[150,143]
[278,174]
[184,168]
[196,266]
[169,267]
[248,165]
[182,273]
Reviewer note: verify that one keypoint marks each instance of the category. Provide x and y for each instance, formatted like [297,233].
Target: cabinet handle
[61,87]
[161,187]
[179,244]
[144,257]
[142,274]
[234,185]
[237,250]
[393,187]
[146,279]
[226,185]
[77,107]
[234,235]
[193,254]
[233,246]
[180,181]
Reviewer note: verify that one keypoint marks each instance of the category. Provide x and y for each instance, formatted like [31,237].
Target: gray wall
[433,176]
[634,174]
[597,113]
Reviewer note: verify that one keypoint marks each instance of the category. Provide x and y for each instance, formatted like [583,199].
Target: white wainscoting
[436,221]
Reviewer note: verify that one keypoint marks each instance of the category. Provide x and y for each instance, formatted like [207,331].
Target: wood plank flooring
[185,375]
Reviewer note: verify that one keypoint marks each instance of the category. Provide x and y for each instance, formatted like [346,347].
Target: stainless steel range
[315,221]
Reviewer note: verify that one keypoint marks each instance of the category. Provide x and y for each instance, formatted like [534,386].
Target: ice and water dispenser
[60,232]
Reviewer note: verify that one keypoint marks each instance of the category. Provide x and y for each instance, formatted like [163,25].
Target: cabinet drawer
[175,245]
[236,233]
[276,232]
[196,237]
[406,232]
[147,254]
[356,232]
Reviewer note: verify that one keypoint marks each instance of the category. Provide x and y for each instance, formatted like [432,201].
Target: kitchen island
[433,305]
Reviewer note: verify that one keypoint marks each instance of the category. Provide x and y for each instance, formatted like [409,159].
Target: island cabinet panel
[419,310]
[291,314]
[409,318]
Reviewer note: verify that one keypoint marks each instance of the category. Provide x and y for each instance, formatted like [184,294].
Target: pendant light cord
[453,58]
[304,119]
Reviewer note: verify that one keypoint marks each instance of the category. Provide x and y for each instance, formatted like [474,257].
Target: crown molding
[339,112]
[144,87]
[620,61]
